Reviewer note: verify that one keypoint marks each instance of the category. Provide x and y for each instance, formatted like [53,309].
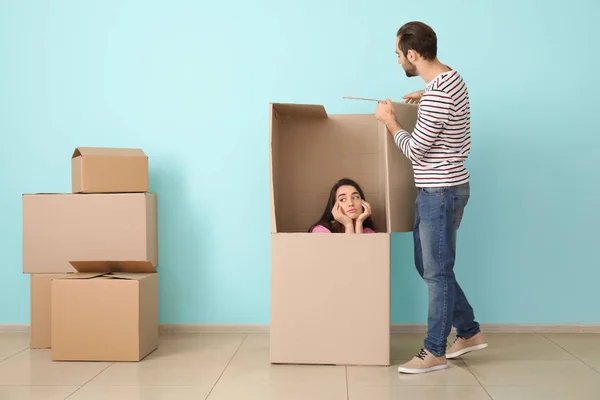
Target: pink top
[322,229]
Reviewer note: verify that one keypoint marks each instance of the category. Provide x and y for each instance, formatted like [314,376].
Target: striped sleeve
[434,112]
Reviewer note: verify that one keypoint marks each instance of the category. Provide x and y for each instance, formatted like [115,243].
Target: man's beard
[410,69]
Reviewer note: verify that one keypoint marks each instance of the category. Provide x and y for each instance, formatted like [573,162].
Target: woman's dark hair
[327,220]
[419,37]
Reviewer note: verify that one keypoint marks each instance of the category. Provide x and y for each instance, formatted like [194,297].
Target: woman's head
[350,196]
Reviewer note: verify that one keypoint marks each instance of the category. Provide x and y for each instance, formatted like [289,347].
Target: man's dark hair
[419,37]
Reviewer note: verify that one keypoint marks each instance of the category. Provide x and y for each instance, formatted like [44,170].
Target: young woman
[346,210]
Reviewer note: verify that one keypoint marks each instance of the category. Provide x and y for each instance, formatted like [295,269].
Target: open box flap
[127,276]
[81,275]
[298,110]
[401,192]
[107,151]
[114,266]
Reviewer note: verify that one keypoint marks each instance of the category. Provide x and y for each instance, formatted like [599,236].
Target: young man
[438,147]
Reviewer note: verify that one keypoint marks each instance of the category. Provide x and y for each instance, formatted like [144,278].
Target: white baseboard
[395,328]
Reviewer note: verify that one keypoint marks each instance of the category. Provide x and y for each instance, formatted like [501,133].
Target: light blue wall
[190,84]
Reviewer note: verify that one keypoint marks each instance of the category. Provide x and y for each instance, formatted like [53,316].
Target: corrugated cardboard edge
[148,315]
[152,228]
[271,186]
[277,110]
[395,328]
[76,175]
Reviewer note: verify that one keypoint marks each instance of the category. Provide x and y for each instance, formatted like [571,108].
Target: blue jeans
[439,212]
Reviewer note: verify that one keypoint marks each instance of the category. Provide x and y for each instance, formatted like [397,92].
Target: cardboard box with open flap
[330,293]
[62,227]
[109,170]
[108,311]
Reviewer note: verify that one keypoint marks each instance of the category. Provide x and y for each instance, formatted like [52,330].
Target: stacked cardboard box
[92,255]
[330,294]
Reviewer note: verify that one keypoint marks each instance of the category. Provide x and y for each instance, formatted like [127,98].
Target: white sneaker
[463,346]
[423,362]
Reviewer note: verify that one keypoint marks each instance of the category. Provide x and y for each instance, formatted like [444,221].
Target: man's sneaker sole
[466,350]
[421,371]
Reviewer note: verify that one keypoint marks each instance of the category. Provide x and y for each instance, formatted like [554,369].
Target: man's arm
[434,112]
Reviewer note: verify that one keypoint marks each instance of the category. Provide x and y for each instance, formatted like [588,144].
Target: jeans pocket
[458,208]
[435,191]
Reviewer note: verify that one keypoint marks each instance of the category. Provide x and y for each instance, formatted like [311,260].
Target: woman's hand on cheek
[366,212]
[341,217]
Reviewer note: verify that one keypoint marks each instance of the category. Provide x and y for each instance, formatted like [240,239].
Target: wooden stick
[360,98]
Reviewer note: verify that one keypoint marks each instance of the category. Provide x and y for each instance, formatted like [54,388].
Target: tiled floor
[232,366]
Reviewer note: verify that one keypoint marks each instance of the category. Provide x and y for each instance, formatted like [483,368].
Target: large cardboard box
[330,293]
[58,228]
[109,170]
[112,316]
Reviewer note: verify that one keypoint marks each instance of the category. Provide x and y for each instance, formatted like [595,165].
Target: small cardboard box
[110,316]
[62,227]
[109,170]
[330,293]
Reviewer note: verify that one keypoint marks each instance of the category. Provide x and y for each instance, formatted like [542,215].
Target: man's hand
[414,97]
[385,114]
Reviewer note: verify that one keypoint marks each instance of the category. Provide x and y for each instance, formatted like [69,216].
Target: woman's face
[350,201]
